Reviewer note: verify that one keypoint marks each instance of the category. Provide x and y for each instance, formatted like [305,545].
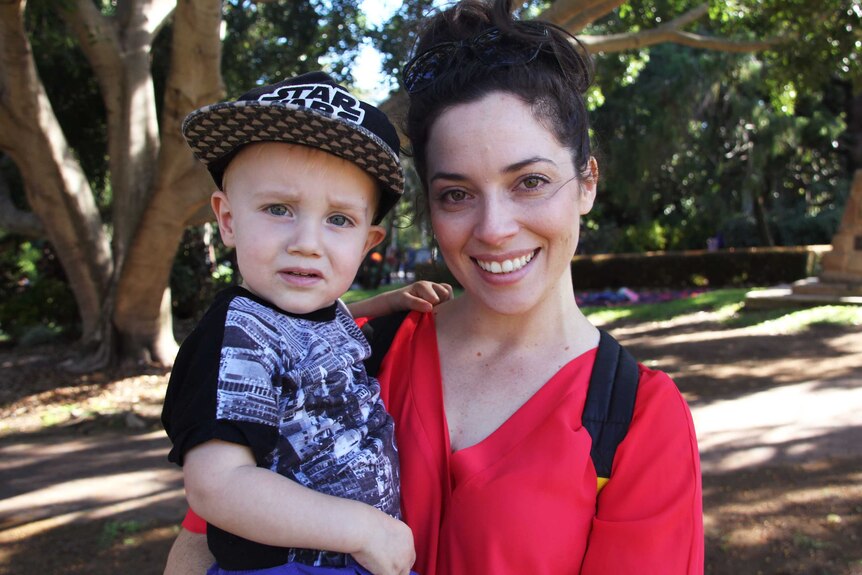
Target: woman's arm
[650,517]
[419,296]
[189,555]
[225,486]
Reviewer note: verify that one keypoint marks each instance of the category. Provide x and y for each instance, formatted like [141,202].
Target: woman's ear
[588,187]
[221,207]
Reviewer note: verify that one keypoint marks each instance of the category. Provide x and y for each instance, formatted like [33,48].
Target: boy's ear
[375,236]
[221,207]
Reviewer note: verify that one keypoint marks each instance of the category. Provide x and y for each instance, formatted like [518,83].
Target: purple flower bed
[626,296]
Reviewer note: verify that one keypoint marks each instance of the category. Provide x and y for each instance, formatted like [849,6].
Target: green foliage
[396,37]
[120,531]
[696,145]
[723,268]
[35,302]
[202,267]
[265,42]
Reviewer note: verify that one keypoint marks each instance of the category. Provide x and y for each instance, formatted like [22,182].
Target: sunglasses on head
[492,47]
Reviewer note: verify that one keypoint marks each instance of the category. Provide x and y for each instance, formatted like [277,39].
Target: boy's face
[300,220]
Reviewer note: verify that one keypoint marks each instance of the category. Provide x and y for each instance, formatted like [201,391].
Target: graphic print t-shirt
[294,390]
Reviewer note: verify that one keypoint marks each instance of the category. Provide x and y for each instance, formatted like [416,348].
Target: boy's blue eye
[339,220]
[277,210]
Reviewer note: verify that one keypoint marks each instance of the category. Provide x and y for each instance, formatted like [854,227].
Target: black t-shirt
[293,389]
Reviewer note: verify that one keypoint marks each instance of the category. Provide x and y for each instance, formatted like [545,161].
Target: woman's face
[505,201]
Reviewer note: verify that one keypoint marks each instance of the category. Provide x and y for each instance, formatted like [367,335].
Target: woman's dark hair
[553,83]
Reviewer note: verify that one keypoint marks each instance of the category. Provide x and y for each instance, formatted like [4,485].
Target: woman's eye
[339,220]
[453,196]
[277,210]
[533,183]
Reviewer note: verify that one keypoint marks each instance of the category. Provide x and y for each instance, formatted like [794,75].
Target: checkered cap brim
[216,132]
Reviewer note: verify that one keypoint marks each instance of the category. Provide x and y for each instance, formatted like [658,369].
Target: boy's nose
[305,239]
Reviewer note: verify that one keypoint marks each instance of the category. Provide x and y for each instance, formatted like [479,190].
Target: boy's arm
[418,296]
[224,485]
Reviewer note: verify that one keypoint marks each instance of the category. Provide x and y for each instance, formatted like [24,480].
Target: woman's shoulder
[655,382]
[660,402]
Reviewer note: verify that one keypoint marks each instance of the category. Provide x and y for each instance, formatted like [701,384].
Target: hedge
[695,268]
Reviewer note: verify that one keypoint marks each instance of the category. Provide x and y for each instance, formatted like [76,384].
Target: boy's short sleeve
[225,385]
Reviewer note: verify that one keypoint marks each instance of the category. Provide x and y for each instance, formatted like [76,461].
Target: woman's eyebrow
[518,166]
[514,167]
[447,176]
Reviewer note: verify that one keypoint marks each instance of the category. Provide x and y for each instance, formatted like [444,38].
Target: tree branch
[194,80]
[155,14]
[160,14]
[672,32]
[99,39]
[620,42]
[564,11]
[574,17]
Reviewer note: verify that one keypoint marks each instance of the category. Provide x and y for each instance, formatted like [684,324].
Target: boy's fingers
[443,291]
[425,290]
[418,303]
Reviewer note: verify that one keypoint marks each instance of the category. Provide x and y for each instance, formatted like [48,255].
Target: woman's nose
[497,220]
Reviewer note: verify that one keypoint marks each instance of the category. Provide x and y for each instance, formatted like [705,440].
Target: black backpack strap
[380,332]
[610,402]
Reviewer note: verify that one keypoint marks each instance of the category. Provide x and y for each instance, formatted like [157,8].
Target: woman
[488,390]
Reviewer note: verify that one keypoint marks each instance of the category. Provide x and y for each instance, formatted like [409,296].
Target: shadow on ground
[799,519]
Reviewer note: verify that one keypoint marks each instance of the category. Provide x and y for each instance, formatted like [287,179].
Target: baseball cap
[312,110]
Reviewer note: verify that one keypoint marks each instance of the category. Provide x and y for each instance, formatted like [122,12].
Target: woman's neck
[555,321]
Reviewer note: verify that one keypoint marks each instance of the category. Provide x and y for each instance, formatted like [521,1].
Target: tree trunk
[181,188]
[121,286]
[57,189]
[853,135]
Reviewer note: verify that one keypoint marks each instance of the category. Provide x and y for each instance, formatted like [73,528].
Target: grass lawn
[727,305]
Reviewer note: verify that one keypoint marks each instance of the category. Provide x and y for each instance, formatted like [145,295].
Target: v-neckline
[467,461]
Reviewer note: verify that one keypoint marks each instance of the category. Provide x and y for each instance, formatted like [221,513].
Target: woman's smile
[505,265]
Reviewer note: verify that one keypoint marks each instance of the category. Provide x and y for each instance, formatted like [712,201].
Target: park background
[728,135]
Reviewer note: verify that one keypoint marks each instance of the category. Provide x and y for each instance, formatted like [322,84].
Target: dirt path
[779,420]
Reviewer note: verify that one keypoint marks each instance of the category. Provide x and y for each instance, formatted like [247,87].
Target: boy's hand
[421,296]
[388,547]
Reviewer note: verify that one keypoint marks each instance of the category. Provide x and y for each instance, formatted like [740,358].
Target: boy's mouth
[301,276]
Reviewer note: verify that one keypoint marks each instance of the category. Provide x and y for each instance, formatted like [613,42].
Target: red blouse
[524,500]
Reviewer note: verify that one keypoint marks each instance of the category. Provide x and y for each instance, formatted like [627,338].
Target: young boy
[272,379]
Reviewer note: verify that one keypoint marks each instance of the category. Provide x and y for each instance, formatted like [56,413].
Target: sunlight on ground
[130,398]
[789,422]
